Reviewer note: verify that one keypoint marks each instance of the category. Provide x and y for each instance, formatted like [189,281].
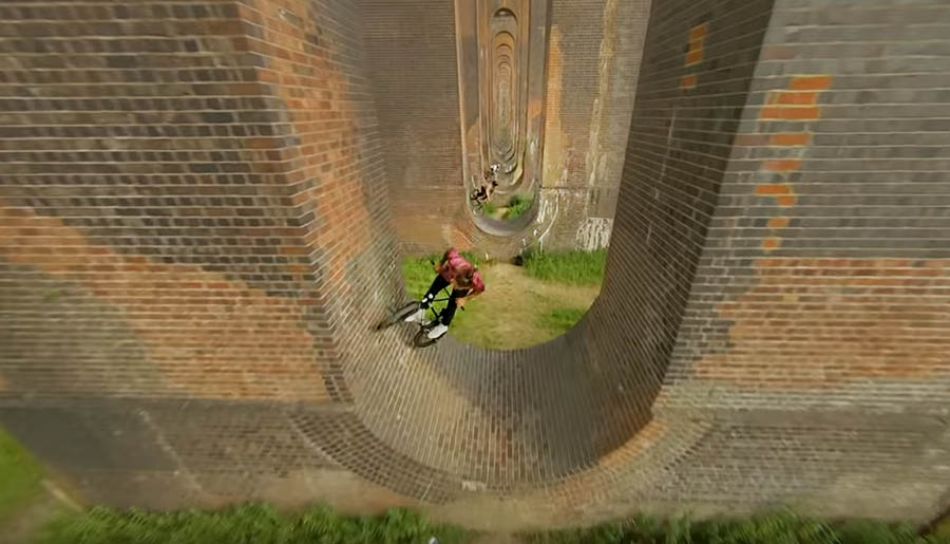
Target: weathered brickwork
[196,241]
[140,174]
[825,277]
[593,64]
[822,288]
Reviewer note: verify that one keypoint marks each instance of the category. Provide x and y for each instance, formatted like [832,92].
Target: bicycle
[481,195]
[421,338]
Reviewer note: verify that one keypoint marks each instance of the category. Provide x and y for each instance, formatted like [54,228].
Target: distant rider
[487,188]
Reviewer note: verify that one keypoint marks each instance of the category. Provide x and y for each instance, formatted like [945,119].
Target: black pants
[438,284]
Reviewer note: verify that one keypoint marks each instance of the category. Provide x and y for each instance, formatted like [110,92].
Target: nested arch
[536,417]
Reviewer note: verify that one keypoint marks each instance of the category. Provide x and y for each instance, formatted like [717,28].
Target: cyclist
[486,189]
[466,282]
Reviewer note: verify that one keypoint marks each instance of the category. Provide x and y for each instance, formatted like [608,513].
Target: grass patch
[517,206]
[20,477]
[765,529]
[943,529]
[489,209]
[560,320]
[260,524]
[255,524]
[570,267]
[516,311]
[418,274]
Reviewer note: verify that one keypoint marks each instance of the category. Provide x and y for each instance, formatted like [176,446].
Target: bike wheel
[400,314]
[422,340]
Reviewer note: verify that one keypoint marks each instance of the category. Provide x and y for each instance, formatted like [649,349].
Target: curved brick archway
[211,206]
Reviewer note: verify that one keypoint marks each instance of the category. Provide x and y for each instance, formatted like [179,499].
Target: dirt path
[509,314]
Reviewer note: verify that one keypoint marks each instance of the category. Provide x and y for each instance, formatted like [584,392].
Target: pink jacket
[454,262]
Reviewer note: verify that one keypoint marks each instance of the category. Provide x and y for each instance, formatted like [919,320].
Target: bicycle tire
[399,315]
[422,340]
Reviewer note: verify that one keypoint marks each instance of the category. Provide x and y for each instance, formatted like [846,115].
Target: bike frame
[438,314]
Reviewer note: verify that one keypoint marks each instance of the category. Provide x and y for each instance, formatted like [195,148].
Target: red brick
[695,56]
[794,99]
[792,139]
[698,32]
[784,165]
[811,83]
[790,113]
[772,189]
[787,201]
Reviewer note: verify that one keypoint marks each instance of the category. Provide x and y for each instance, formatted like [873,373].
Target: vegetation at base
[560,320]
[570,267]
[259,524]
[781,528]
[418,274]
[518,205]
[517,310]
[20,477]
[943,528]
[252,524]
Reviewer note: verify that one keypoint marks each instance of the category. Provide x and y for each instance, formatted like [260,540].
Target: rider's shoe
[416,316]
[437,331]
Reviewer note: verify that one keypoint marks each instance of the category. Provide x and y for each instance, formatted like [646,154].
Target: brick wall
[827,258]
[593,71]
[145,202]
[677,154]
[412,61]
[412,57]
[822,286]
[192,202]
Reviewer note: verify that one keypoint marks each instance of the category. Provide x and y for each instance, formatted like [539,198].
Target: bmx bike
[421,338]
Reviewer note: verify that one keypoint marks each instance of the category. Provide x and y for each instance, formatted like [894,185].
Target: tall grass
[570,267]
[782,528]
[419,273]
[254,524]
[518,205]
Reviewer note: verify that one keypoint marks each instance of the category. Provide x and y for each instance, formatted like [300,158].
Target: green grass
[489,209]
[418,274]
[252,524]
[943,528]
[517,206]
[560,320]
[259,524]
[766,529]
[20,477]
[571,267]
[516,310]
